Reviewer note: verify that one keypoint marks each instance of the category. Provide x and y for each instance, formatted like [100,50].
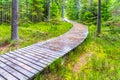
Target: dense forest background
[31,10]
[84,11]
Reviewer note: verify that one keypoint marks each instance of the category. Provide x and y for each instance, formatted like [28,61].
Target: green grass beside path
[30,34]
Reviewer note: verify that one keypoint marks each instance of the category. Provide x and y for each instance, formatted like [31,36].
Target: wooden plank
[44,61]
[48,45]
[42,54]
[58,52]
[2,77]
[25,62]
[7,75]
[43,50]
[13,72]
[35,56]
[29,59]
[16,67]
[53,53]
[20,63]
[59,45]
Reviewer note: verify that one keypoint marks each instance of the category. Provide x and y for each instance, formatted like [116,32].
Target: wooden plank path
[24,63]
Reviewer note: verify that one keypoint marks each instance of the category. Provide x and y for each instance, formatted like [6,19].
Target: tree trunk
[1,6]
[27,8]
[48,11]
[99,18]
[14,31]
[63,10]
[91,4]
[77,8]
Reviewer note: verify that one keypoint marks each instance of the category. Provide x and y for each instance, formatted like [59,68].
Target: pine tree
[14,32]
[99,18]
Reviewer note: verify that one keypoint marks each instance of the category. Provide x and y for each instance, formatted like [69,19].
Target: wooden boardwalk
[24,63]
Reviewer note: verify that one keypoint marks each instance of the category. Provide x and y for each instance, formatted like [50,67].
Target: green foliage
[104,63]
[30,11]
[55,12]
[73,7]
[37,10]
[82,10]
[115,10]
[86,11]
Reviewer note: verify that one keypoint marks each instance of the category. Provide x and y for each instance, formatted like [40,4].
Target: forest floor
[30,34]
[97,58]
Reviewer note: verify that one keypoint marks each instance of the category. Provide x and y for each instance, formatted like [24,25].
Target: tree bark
[48,11]
[14,30]
[63,12]
[1,12]
[91,4]
[27,8]
[77,8]
[99,18]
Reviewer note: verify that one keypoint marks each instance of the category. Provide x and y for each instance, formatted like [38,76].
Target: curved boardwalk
[24,63]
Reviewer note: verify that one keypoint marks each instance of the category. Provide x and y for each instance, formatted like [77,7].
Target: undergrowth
[30,34]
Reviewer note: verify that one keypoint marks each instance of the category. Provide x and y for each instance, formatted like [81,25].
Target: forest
[25,22]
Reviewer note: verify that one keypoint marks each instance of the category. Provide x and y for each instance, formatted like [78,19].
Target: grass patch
[30,34]
[103,64]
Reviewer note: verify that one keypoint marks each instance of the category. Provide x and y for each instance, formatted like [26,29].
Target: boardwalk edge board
[25,63]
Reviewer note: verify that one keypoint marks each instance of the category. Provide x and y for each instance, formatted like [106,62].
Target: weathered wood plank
[2,77]
[49,54]
[40,55]
[13,72]
[21,63]
[43,50]
[29,59]
[15,66]
[35,56]
[25,62]
[7,75]
[44,61]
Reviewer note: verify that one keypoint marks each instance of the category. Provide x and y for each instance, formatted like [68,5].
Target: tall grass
[30,34]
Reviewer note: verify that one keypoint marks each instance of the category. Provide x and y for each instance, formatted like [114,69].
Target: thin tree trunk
[99,18]
[1,13]
[91,4]
[27,8]
[14,32]
[63,10]
[77,8]
[48,11]
[10,12]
